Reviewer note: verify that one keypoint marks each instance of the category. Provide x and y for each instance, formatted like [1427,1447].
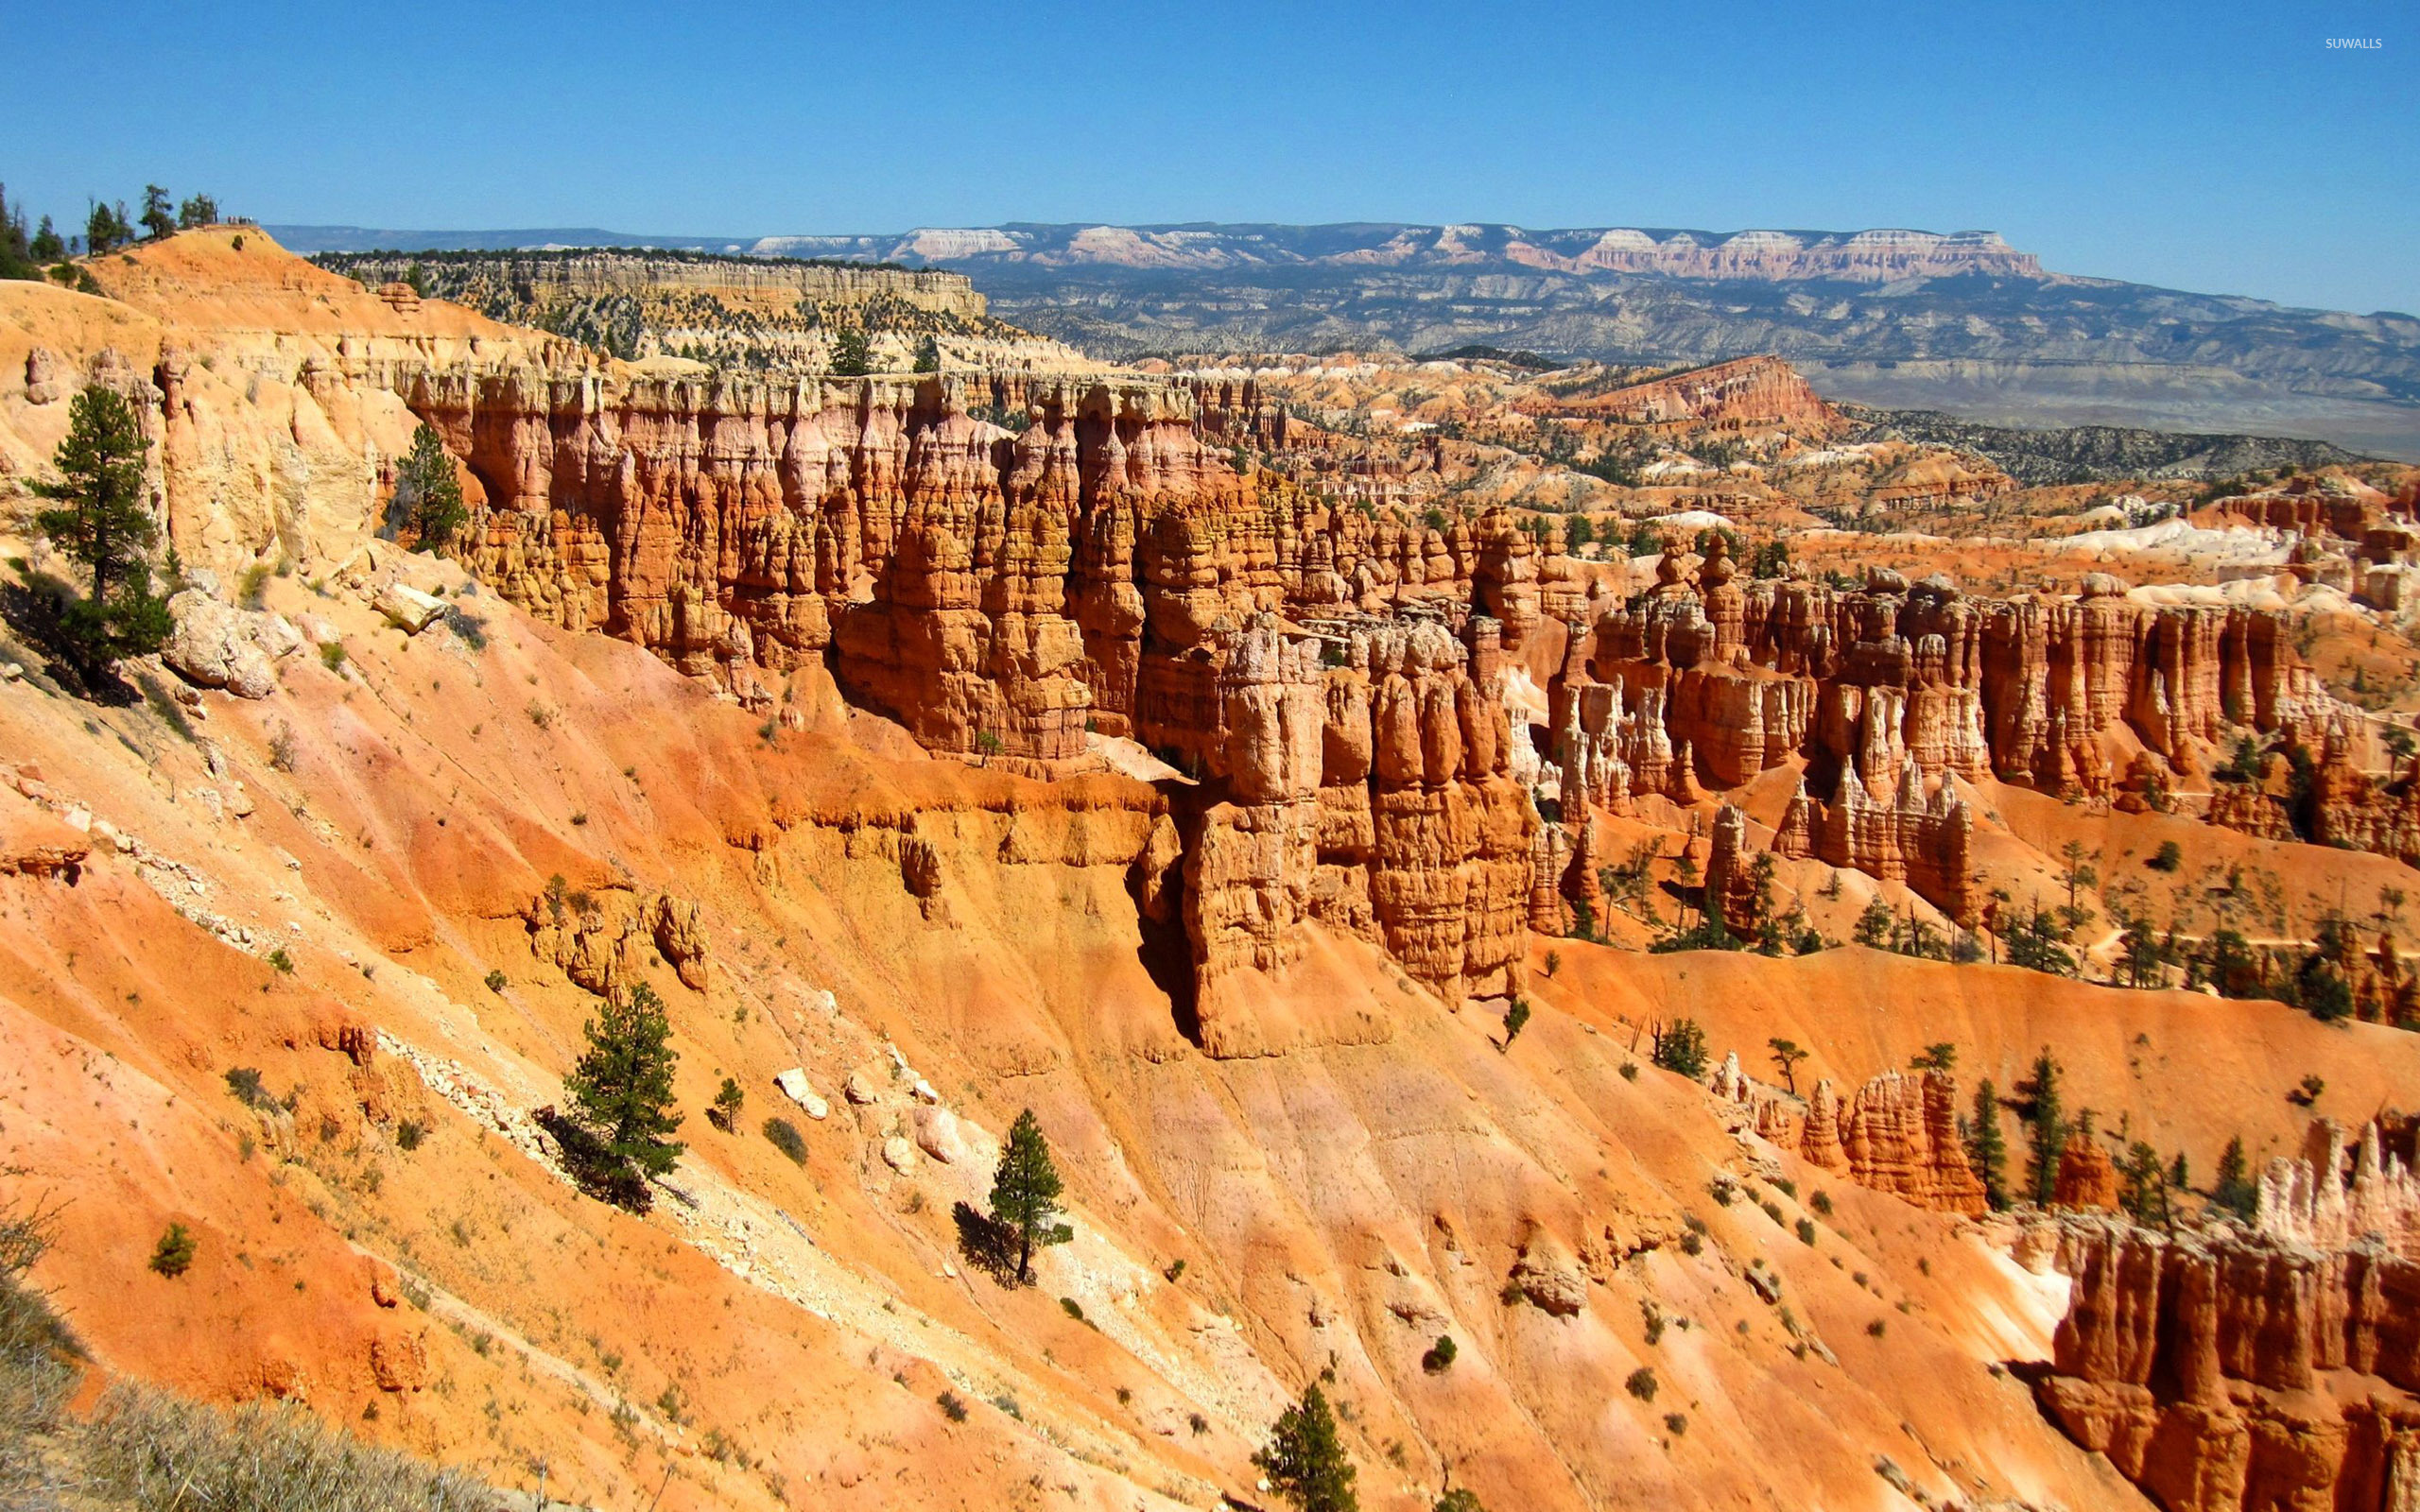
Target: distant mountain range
[1962,322]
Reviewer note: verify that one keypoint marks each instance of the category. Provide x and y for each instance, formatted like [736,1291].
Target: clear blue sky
[2215,147]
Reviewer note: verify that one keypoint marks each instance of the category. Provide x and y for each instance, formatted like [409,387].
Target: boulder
[939,1135]
[793,1084]
[898,1154]
[217,646]
[407,606]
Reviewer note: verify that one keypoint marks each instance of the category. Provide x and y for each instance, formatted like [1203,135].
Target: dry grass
[152,1452]
[156,1450]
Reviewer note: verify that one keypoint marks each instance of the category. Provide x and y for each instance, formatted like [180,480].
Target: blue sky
[2216,146]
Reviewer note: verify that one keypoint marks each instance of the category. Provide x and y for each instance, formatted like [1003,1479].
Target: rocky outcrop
[2319,1199]
[2086,1178]
[1750,393]
[2221,1370]
[1896,1133]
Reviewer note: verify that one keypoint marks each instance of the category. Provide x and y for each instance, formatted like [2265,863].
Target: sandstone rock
[2087,1178]
[858,1089]
[33,844]
[794,1086]
[407,606]
[217,646]
[2221,1371]
[937,1134]
[1547,1276]
[399,1361]
[898,1154]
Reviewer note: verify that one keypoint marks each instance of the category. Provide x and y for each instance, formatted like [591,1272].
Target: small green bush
[174,1256]
[1439,1357]
[409,1134]
[495,981]
[1641,1384]
[331,656]
[786,1138]
[1806,1231]
[952,1407]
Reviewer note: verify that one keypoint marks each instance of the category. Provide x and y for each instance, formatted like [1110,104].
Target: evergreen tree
[101,522]
[2234,1190]
[17,258]
[2144,1195]
[1874,925]
[621,1090]
[106,230]
[1681,1048]
[200,209]
[928,356]
[2048,1132]
[1941,1056]
[47,247]
[1305,1459]
[428,491]
[1024,1192]
[851,356]
[1986,1148]
[1787,1055]
[157,221]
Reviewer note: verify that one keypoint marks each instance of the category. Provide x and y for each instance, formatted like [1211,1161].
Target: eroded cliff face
[2221,1370]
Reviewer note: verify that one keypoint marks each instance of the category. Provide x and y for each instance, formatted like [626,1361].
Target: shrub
[245,1083]
[1806,1231]
[1439,1357]
[1878,1328]
[1072,1308]
[1676,1423]
[1641,1384]
[409,1134]
[1630,1071]
[1175,1269]
[1821,1202]
[331,656]
[952,1407]
[174,1256]
[495,981]
[786,1138]
[284,962]
[2167,858]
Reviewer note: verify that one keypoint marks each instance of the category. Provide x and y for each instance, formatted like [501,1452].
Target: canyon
[1218,762]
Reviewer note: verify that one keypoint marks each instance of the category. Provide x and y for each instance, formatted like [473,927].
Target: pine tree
[1305,1460]
[1787,1055]
[1024,1192]
[102,524]
[158,221]
[2047,1133]
[851,356]
[1874,925]
[1681,1048]
[2234,1190]
[1986,1148]
[17,257]
[428,491]
[2145,1192]
[200,209]
[47,247]
[106,230]
[622,1088]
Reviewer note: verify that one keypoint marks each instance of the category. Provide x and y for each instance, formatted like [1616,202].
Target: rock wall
[2221,1370]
